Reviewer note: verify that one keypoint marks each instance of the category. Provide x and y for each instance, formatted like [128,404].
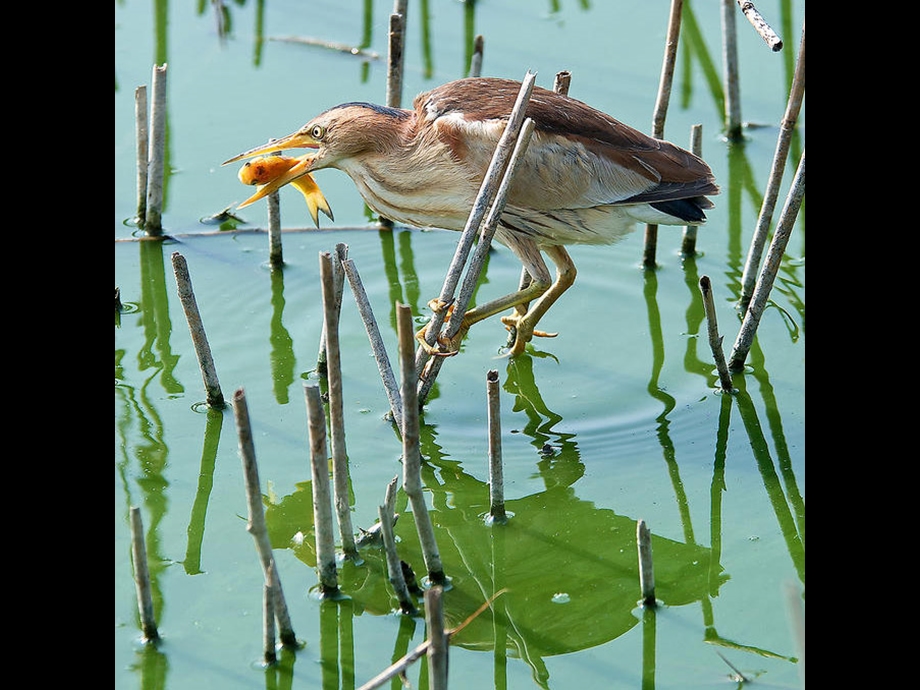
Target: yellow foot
[522,332]
[442,347]
[437,305]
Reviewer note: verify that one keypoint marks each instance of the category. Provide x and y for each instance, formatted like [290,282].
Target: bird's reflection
[571,568]
[560,461]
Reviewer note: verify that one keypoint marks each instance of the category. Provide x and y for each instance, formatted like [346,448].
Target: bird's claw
[438,305]
[443,346]
[521,332]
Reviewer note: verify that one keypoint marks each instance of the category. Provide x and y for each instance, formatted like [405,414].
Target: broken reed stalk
[394,567]
[471,278]
[646,569]
[688,242]
[215,397]
[389,501]
[496,478]
[275,248]
[156,155]
[322,501]
[733,124]
[715,340]
[336,414]
[650,248]
[783,142]
[141,134]
[376,341]
[338,282]
[256,523]
[760,25]
[769,270]
[268,625]
[412,459]
[439,642]
[476,59]
[395,54]
[142,577]
[395,61]
[666,79]
[484,198]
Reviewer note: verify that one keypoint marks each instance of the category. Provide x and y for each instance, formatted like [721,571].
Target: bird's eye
[318,132]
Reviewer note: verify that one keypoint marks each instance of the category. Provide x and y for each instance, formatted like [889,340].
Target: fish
[271,173]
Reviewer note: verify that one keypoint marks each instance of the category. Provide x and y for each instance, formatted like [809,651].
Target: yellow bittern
[586,178]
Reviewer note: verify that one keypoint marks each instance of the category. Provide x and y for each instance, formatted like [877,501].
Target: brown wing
[579,157]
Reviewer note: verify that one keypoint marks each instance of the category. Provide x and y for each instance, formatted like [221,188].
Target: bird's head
[341,136]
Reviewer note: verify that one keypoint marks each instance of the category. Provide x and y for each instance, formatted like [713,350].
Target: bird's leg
[534,283]
[535,286]
[445,346]
[538,280]
[520,309]
[534,268]
[524,324]
[484,311]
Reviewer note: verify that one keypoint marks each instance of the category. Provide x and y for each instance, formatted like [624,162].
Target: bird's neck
[399,182]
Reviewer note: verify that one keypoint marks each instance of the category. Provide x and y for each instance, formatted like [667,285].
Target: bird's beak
[297,140]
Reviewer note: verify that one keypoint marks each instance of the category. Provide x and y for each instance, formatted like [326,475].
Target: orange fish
[271,173]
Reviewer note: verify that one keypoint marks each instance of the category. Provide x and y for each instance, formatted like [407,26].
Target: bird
[586,178]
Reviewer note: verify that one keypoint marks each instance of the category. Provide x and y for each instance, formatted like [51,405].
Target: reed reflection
[281,351]
[668,403]
[192,562]
[280,675]
[790,510]
[156,362]
[693,364]
[329,643]
[153,666]
[156,353]
[401,273]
